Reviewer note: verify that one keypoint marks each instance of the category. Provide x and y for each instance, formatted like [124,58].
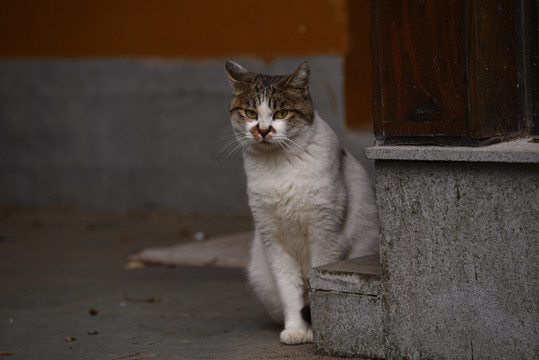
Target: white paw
[294,336]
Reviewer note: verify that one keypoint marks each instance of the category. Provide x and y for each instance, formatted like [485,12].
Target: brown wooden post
[452,72]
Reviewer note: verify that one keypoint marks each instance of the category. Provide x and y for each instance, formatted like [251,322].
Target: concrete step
[346,308]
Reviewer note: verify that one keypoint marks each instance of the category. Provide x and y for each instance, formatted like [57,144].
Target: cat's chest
[286,186]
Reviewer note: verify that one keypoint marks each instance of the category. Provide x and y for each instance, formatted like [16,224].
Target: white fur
[265,114]
[311,206]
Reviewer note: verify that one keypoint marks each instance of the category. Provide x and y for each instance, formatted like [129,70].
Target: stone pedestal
[459,231]
[458,241]
[346,308]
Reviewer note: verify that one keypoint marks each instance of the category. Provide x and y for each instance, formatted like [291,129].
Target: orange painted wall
[171,28]
[194,29]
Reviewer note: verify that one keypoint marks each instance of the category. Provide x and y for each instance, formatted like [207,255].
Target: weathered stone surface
[359,276]
[518,151]
[346,308]
[347,324]
[459,259]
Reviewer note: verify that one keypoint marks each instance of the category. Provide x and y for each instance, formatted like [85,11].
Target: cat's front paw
[294,336]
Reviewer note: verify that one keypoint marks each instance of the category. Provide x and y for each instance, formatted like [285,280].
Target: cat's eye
[250,114]
[281,114]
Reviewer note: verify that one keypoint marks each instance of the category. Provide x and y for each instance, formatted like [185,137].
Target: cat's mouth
[265,144]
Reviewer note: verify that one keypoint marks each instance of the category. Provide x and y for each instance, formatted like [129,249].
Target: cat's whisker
[228,137]
[291,144]
[229,150]
[229,140]
[226,148]
[232,152]
[232,147]
[284,146]
[287,145]
[233,138]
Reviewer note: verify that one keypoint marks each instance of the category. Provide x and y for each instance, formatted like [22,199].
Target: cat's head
[269,112]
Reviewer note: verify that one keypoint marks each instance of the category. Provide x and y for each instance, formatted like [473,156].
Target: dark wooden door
[453,72]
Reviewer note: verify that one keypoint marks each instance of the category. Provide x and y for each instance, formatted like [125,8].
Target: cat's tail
[306,314]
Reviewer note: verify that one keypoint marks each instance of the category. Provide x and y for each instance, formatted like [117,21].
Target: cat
[312,203]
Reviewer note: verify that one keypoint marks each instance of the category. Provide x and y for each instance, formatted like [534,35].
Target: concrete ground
[55,265]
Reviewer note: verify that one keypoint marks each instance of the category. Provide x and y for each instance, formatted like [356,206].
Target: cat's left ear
[235,72]
[300,78]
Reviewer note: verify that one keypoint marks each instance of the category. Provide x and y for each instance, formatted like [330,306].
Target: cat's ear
[300,78]
[235,72]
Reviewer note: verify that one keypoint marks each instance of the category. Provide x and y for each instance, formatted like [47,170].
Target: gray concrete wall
[131,133]
[459,258]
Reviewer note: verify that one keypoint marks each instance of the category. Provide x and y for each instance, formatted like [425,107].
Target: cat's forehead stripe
[264,110]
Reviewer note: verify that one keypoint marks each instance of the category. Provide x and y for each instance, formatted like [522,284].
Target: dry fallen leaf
[70,338]
[151,342]
[148,299]
[184,232]
[134,265]
[6,353]
[93,311]
[153,299]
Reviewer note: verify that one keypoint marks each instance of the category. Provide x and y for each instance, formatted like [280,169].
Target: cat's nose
[264,132]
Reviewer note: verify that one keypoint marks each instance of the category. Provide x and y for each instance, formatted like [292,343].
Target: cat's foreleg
[290,285]
[262,280]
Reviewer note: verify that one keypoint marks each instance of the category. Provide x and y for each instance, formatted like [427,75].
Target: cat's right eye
[250,114]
